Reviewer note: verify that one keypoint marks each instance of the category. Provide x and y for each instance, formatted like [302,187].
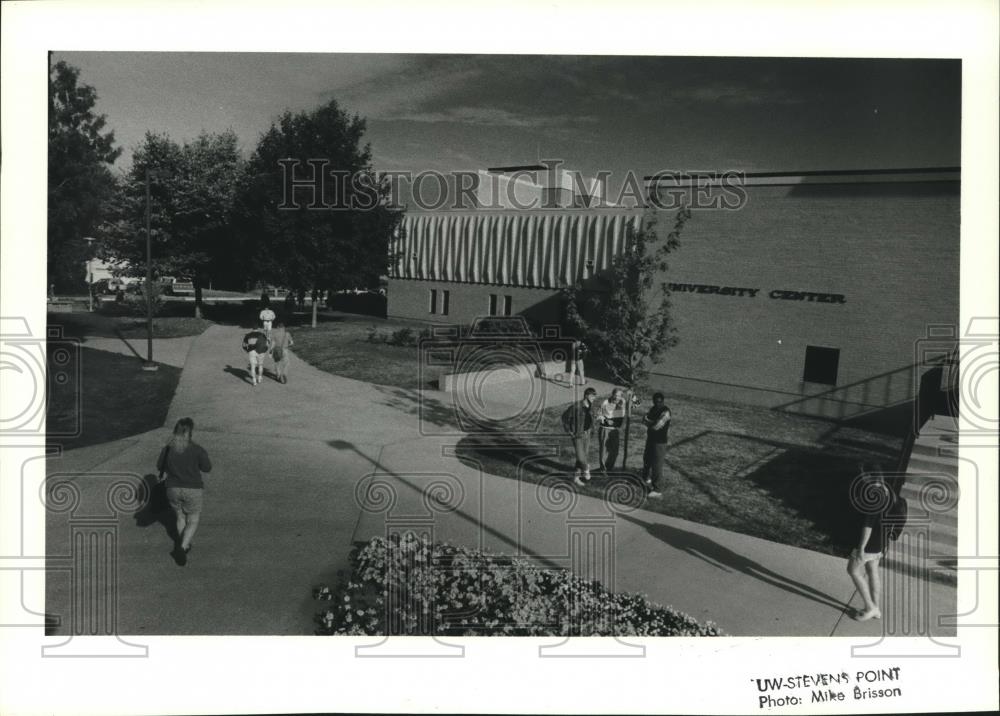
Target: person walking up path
[578,421]
[267,317]
[256,344]
[657,422]
[282,341]
[181,463]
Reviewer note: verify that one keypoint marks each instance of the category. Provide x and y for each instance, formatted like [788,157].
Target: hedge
[408,586]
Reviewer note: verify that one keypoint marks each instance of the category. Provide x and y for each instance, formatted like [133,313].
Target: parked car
[182,287]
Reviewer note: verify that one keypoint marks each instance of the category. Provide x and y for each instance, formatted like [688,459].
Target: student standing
[611,417]
[574,367]
[578,421]
[657,422]
[181,463]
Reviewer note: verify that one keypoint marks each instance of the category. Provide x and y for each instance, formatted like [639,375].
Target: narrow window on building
[821,365]
[507,301]
[445,296]
[434,301]
[493,304]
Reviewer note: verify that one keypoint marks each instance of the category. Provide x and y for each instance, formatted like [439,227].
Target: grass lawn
[112,399]
[340,345]
[748,469]
[81,324]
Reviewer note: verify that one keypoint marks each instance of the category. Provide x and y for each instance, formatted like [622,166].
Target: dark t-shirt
[184,468]
[255,341]
[577,419]
[654,414]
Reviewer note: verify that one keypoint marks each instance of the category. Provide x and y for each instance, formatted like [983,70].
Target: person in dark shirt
[578,421]
[181,463]
[872,504]
[657,422]
[257,345]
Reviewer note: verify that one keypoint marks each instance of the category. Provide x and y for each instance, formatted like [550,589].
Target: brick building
[812,293]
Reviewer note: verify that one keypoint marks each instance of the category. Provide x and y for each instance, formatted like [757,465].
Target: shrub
[135,303]
[408,586]
[403,337]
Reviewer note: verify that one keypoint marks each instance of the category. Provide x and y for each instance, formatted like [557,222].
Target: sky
[613,113]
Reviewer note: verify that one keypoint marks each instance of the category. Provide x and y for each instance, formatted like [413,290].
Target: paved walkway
[305,469]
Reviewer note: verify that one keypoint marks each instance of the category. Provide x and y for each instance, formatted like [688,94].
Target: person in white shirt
[267,319]
[610,417]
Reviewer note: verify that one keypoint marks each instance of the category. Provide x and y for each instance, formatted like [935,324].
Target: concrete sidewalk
[305,469]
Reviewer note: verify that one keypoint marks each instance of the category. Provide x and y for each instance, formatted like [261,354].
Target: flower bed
[408,586]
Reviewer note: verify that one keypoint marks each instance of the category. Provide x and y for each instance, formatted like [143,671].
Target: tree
[627,323]
[80,157]
[330,235]
[192,189]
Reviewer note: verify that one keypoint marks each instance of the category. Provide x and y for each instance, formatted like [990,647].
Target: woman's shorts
[187,500]
[867,557]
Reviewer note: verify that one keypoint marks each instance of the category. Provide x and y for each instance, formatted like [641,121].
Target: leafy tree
[79,175]
[331,235]
[628,323]
[192,189]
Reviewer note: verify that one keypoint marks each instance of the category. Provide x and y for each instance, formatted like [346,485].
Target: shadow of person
[156,509]
[723,558]
[243,375]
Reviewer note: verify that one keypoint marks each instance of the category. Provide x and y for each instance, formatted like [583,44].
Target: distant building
[812,293]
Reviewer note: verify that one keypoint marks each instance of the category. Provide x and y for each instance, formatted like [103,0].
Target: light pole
[149,364]
[90,270]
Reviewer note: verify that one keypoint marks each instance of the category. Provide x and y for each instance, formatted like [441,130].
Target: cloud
[495,117]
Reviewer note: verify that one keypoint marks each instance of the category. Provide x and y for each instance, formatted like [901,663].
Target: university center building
[815,294]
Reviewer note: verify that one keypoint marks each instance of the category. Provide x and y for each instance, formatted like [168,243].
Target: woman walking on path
[279,351]
[872,504]
[181,463]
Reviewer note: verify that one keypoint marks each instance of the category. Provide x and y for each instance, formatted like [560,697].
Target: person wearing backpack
[257,345]
[876,522]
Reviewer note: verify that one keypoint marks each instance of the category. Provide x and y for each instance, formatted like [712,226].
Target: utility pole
[149,364]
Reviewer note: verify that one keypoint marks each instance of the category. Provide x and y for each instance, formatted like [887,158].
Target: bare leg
[181,524]
[856,569]
[187,535]
[875,584]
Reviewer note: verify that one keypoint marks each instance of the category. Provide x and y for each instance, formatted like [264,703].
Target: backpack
[895,517]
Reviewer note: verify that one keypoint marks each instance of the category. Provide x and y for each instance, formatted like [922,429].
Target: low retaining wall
[553,369]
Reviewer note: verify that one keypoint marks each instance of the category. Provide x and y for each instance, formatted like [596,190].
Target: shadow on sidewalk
[723,558]
[156,510]
[243,375]
[422,490]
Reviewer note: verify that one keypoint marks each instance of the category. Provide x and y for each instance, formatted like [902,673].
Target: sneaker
[655,494]
[180,556]
[586,477]
[578,482]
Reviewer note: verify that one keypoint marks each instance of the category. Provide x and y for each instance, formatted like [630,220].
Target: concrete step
[938,452]
[920,466]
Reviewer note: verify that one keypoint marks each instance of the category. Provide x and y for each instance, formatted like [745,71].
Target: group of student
[580,419]
[270,339]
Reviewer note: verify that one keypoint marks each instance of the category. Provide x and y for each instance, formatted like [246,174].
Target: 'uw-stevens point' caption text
[799,689]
